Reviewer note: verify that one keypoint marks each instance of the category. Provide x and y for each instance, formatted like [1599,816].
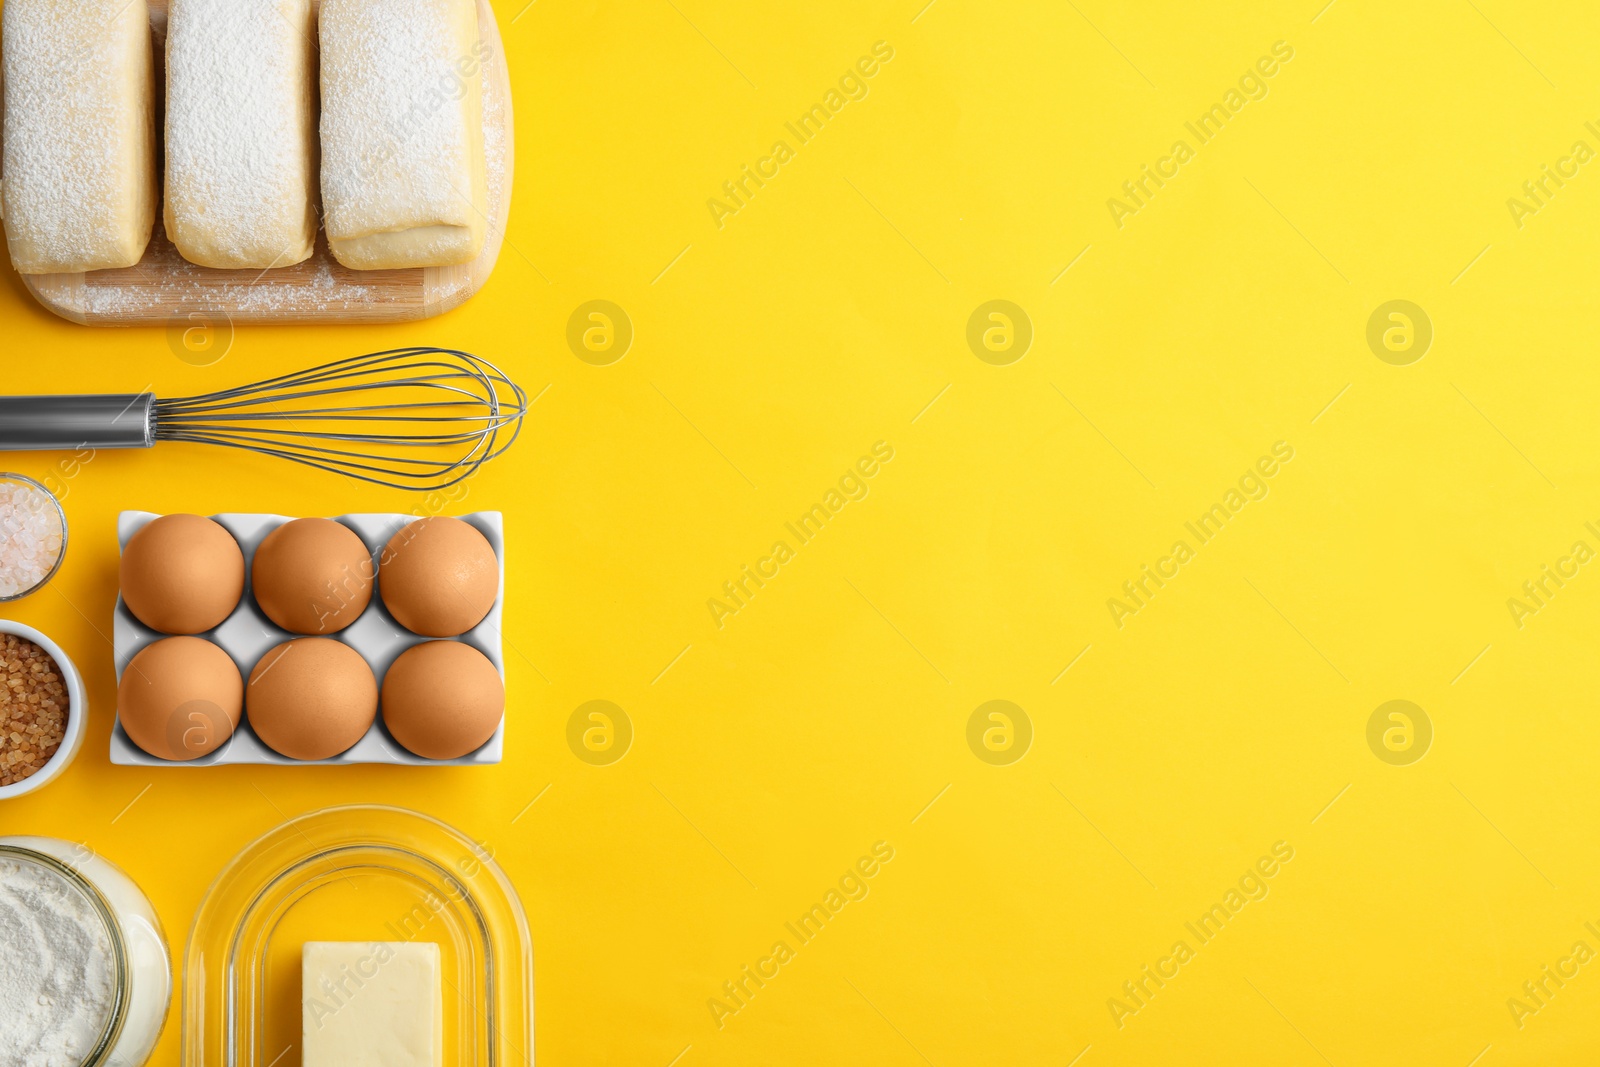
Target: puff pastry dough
[79,186]
[403,179]
[241,179]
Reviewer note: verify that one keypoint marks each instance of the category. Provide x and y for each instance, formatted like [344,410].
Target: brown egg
[182,574]
[180,698]
[438,577]
[311,698]
[442,699]
[312,576]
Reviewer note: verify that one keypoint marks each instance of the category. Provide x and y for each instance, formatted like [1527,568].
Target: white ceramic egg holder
[247,635]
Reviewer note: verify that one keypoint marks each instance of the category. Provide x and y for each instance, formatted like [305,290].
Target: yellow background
[827,714]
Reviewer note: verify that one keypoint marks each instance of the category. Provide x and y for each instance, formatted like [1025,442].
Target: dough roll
[402,132]
[79,185]
[241,179]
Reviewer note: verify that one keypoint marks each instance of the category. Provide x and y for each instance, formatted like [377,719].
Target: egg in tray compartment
[370,638]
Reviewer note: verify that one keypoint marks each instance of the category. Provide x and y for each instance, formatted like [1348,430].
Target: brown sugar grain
[33,708]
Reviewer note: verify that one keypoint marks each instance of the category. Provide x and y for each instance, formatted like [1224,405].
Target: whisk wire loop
[403,395]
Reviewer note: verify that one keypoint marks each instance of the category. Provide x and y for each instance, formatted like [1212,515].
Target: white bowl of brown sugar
[43,713]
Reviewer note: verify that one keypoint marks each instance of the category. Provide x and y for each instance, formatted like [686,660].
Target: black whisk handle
[66,423]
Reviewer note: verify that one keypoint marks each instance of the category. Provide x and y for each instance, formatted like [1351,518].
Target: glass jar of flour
[85,977]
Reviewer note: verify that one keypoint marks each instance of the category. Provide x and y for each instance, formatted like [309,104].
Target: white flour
[56,981]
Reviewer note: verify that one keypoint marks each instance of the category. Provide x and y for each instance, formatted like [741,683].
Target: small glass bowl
[23,479]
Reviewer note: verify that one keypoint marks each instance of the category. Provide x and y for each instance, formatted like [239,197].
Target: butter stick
[371,1004]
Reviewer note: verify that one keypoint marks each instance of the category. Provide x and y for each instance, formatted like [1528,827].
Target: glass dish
[141,972]
[362,873]
[53,505]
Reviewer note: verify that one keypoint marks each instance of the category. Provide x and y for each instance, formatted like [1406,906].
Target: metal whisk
[409,418]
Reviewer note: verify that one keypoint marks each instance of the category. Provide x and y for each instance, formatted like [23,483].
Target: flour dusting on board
[318,285]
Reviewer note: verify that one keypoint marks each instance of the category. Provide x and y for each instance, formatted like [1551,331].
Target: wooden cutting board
[163,288]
